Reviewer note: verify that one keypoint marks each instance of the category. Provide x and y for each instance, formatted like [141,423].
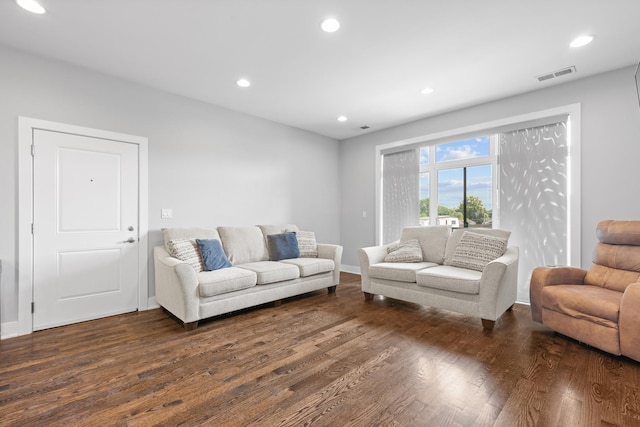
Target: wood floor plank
[321,359]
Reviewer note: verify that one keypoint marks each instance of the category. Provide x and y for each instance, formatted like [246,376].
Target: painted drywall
[212,166]
[610,149]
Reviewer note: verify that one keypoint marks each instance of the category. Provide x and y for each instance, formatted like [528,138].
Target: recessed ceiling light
[342,119]
[243,83]
[32,6]
[427,91]
[330,25]
[582,41]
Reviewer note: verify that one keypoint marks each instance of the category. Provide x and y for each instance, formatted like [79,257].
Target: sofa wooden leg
[367,296]
[510,308]
[332,289]
[277,303]
[190,326]
[488,324]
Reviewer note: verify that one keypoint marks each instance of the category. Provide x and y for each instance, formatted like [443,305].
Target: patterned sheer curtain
[400,191]
[534,197]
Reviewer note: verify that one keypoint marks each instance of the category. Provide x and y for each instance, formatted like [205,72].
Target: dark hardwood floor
[320,359]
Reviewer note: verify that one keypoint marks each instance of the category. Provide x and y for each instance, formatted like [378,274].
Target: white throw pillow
[307,244]
[475,251]
[409,251]
[186,250]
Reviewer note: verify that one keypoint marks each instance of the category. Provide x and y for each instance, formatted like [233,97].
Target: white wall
[610,149]
[211,165]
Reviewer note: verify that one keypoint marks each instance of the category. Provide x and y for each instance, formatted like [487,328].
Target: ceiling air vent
[564,71]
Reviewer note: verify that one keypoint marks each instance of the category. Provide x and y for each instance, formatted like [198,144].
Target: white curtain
[400,193]
[534,197]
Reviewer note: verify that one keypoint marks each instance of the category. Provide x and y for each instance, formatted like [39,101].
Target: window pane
[424,158]
[424,198]
[479,196]
[465,149]
[450,196]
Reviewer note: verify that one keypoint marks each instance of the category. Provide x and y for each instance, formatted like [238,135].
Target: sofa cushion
[587,302]
[272,271]
[307,244]
[212,254]
[399,271]
[277,228]
[230,279]
[449,278]
[283,246]
[408,251]
[186,250]
[311,266]
[433,240]
[456,235]
[188,234]
[475,251]
[243,244]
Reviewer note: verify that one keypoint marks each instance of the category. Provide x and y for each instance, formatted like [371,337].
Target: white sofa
[435,282]
[192,295]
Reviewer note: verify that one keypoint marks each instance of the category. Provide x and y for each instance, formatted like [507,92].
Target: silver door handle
[129,240]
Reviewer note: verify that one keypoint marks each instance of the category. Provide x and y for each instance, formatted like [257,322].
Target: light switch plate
[166,213]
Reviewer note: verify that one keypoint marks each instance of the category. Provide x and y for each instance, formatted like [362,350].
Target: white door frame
[26,127]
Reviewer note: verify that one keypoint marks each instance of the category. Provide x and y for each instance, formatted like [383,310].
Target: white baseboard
[9,330]
[350,269]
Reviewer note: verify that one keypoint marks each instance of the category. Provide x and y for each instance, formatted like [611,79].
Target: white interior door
[85,228]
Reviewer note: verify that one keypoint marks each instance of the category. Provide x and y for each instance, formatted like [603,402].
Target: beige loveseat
[441,278]
[192,295]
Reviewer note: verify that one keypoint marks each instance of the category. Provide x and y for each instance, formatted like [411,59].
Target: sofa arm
[629,322]
[333,252]
[367,257]
[549,276]
[176,286]
[499,284]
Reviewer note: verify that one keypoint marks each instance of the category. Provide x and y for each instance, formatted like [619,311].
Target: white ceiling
[371,70]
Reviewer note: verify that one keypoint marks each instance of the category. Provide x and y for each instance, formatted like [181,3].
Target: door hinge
[33,150]
[33,307]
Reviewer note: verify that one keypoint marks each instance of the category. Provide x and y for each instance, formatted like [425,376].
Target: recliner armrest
[549,276]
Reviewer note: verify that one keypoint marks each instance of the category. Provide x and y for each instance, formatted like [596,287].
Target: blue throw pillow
[283,246]
[212,254]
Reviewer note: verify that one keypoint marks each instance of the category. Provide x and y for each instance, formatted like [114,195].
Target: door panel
[85,228]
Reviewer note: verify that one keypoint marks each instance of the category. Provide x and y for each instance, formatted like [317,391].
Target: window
[464,191]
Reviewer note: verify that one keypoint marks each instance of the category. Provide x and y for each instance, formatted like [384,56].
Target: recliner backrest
[616,258]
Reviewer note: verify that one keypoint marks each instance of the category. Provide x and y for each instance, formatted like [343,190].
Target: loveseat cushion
[450,278]
[311,266]
[593,303]
[399,271]
[272,271]
[230,279]
[433,240]
[243,244]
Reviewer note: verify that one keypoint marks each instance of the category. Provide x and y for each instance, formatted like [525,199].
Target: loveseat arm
[499,284]
[367,257]
[176,286]
[332,252]
[549,276]
[629,322]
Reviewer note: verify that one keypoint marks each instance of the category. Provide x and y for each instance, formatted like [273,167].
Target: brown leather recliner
[599,306]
